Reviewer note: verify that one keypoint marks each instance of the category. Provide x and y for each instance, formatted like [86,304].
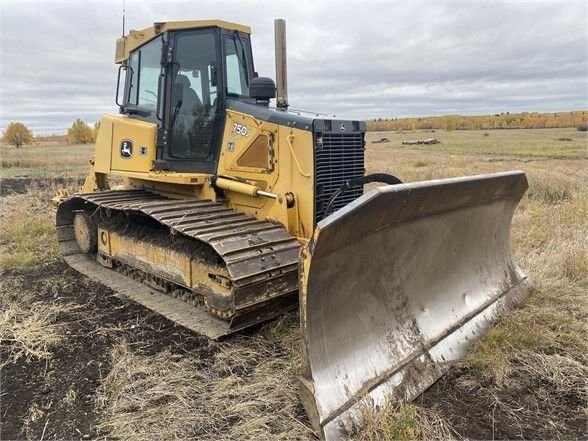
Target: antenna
[123,34]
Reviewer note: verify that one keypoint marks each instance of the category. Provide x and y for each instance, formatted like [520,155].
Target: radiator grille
[338,158]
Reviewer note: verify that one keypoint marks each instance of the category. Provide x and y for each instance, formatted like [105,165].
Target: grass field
[46,160]
[542,143]
[76,360]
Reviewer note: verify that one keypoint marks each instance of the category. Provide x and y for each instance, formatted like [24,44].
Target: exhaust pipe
[281,64]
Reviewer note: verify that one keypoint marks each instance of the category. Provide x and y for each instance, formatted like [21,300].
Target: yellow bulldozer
[219,210]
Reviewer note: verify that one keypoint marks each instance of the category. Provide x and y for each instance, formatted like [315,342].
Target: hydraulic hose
[374,177]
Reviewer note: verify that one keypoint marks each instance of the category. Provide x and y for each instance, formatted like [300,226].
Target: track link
[260,257]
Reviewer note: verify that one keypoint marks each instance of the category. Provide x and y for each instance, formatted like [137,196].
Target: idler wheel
[85,232]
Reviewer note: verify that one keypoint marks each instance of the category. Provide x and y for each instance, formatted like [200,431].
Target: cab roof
[134,38]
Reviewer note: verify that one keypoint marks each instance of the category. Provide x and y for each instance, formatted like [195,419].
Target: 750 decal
[240,129]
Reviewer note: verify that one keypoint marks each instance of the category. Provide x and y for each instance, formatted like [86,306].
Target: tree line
[506,120]
[18,134]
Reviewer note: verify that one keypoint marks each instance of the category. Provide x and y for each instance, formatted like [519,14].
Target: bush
[17,134]
[95,130]
[550,193]
[79,133]
[422,163]
[583,126]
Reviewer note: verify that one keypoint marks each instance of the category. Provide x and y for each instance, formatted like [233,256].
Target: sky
[355,60]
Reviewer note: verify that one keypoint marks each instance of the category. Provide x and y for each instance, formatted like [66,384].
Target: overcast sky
[356,60]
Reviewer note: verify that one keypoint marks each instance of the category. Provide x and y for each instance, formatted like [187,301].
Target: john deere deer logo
[126,148]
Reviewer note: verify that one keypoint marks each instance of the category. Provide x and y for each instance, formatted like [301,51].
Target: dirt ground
[82,360]
[78,362]
[478,408]
[36,394]
[20,185]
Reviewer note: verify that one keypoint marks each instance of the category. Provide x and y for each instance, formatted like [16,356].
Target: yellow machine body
[392,285]
[270,157]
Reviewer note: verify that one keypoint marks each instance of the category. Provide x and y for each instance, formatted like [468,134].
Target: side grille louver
[339,157]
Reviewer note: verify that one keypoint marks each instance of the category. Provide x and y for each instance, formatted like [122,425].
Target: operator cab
[178,76]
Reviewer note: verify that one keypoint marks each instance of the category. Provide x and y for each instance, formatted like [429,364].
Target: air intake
[339,155]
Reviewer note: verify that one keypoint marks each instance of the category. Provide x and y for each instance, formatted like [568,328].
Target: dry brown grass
[27,238]
[27,224]
[551,243]
[29,331]
[27,227]
[28,328]
[542,394]
[522,144]
[47,160]
[389,422]
[546,339]
[248,391]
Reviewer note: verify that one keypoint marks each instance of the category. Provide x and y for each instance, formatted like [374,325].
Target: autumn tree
[451,123]
[79,133]
[95,131]
[17,134]
[504,120]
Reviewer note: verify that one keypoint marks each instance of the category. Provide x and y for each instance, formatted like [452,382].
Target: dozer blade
[399,284]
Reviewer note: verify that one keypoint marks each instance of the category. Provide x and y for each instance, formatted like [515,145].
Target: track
[259,258]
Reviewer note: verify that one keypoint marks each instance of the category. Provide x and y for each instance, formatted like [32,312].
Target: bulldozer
[219,210]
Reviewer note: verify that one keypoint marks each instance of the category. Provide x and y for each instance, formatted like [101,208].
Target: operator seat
[190,99]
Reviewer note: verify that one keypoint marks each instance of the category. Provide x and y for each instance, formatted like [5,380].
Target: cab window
[143,76]
[237,81]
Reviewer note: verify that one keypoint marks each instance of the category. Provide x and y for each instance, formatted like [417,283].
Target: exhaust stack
[281,64]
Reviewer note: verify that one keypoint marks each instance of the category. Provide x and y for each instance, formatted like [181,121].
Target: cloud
[357,60]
